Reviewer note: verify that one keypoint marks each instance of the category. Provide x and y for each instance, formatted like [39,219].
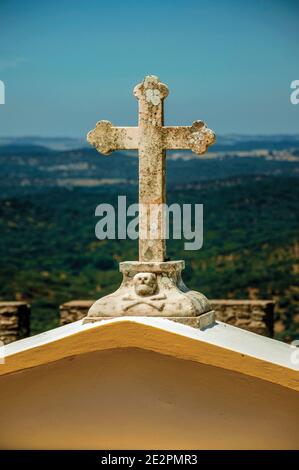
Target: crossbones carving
[134,300]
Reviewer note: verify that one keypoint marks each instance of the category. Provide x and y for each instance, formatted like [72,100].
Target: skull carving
[145,284]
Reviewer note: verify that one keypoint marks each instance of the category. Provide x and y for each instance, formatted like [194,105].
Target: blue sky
[68,63]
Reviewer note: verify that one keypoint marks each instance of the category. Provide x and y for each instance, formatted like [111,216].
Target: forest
[49,252]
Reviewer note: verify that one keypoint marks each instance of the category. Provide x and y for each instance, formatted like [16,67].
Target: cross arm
[107,138]
[197,137]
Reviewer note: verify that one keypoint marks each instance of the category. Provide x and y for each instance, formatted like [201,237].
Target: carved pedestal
[154,289]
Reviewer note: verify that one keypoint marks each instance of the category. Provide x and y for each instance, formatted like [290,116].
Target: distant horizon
[68,137]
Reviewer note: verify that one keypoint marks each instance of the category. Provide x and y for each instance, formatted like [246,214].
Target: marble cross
[151,138]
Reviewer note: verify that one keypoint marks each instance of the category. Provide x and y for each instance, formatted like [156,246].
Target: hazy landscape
[249,188]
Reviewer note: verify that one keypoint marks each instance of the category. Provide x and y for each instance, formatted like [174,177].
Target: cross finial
[152,286]
[151,138]
[151,89]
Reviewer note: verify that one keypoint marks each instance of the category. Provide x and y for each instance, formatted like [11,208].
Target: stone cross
[151,138]
[152,286]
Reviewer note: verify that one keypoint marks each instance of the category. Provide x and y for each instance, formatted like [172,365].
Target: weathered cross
[152,139]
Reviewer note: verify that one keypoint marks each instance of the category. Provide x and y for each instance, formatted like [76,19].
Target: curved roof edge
[220,345]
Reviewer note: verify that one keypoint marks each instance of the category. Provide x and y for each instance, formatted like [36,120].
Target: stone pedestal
[14,321]
[154,289]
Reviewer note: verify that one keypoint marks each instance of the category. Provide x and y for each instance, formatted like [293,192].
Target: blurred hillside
[49,253]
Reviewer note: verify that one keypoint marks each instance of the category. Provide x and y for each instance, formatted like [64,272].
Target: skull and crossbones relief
[145,285]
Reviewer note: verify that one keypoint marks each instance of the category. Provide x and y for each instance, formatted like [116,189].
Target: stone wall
[253,315]
[14,321]
[74,310]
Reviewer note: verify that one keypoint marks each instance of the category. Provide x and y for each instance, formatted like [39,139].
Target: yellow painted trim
[130,334]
